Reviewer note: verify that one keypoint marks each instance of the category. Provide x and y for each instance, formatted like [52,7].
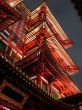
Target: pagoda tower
[36,44]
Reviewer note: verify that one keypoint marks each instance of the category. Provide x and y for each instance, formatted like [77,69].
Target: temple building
[35,67]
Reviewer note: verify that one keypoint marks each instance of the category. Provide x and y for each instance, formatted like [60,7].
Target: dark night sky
[69,20]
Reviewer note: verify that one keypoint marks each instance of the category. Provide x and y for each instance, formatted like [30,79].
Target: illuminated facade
[36,44]
[8,16]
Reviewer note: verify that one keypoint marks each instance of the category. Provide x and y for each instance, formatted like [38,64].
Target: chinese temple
[35,68]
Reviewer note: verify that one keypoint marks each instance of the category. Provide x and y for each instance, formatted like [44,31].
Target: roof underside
[41,62]
[40,25]
[40,44]
[7,15]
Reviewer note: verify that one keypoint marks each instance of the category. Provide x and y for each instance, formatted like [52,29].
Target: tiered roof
[40,42]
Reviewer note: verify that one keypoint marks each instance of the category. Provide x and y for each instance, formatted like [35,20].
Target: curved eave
[60,83]
[57,50]
[63,80]
[8,16]
[53,43]
[13,3]
[65,41]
